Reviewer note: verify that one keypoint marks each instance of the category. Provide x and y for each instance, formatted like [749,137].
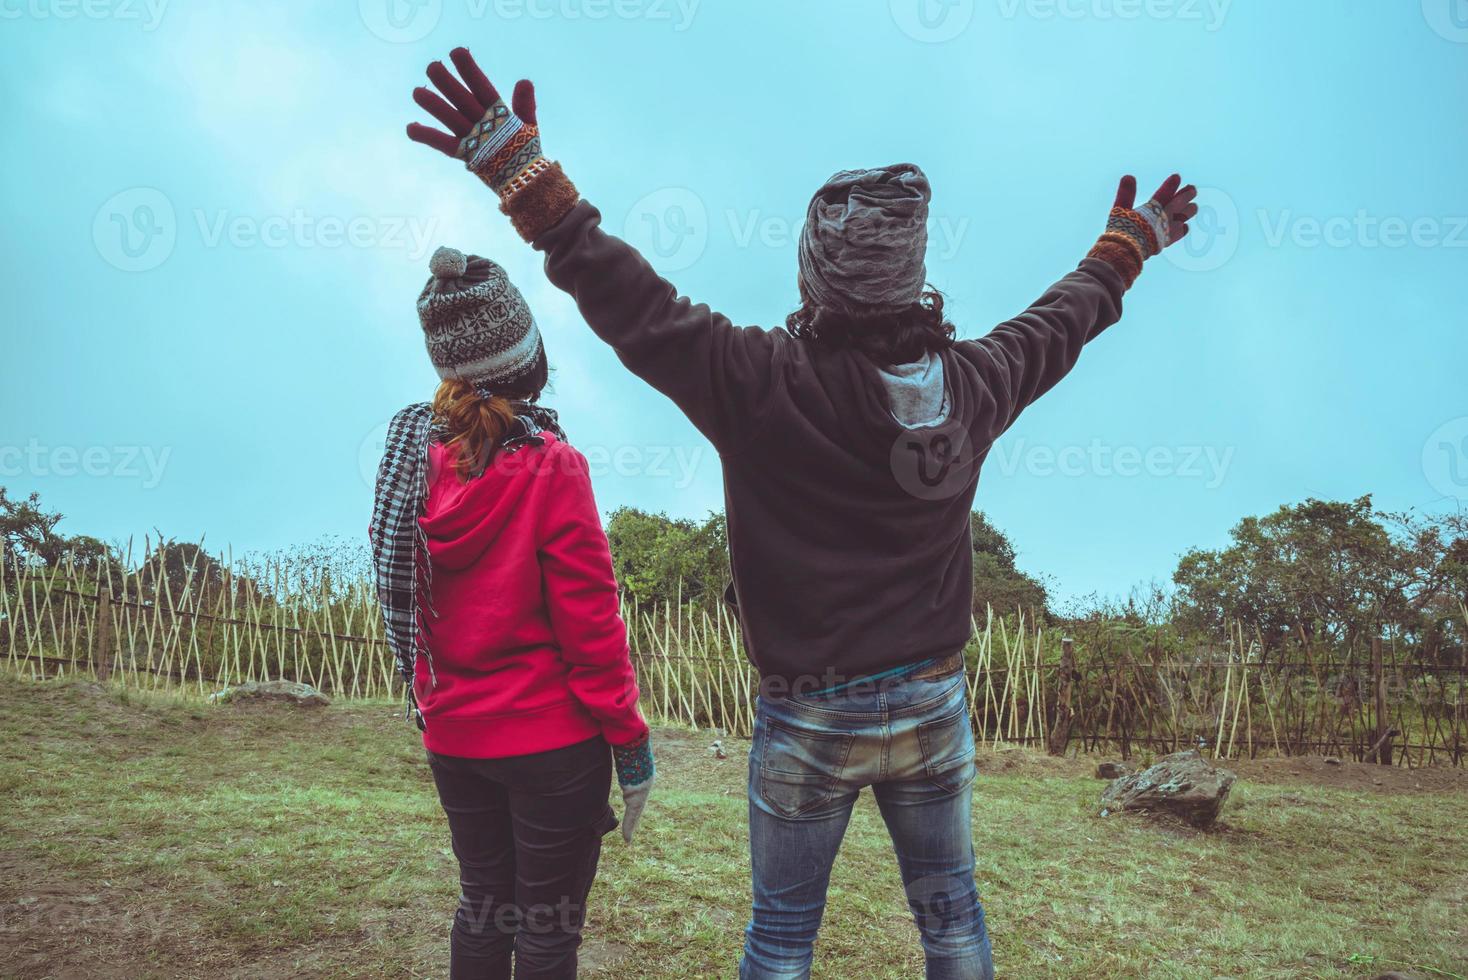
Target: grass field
[152,837]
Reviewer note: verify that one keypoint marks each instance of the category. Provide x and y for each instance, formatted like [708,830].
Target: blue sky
[216,231]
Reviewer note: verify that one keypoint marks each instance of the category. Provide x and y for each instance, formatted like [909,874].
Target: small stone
[1112,770]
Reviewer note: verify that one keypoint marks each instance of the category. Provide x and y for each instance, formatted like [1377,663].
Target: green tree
[1335,571]
[29,532]
[654,553]
[28,535]
[998,582]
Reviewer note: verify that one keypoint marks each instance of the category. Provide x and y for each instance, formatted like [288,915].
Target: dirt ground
[102,922]
[1306,770]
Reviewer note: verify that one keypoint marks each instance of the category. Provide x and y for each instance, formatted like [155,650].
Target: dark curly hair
[888,338]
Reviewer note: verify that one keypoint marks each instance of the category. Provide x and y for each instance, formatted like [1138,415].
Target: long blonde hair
[473,424]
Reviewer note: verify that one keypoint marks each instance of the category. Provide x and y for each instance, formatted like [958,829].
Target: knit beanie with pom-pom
[477,326]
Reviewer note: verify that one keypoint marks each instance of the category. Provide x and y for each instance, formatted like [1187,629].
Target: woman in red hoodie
[498,599]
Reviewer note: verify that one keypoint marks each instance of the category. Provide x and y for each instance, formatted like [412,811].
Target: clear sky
[215,232]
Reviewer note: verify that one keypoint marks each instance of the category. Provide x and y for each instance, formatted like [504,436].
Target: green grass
[146,836]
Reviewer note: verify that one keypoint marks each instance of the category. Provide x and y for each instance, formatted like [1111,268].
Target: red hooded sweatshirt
[529,648]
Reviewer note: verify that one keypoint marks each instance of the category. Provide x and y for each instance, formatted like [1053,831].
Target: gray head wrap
[864,240]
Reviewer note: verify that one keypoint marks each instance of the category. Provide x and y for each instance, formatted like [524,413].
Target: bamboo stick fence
[200,629]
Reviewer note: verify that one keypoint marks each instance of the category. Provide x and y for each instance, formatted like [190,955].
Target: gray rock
[1184,785]
[1112,770]
[285,692]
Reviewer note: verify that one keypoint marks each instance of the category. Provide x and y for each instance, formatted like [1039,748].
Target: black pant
[527,832]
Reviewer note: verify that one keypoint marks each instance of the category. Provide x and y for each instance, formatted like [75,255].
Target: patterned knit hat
[477,326]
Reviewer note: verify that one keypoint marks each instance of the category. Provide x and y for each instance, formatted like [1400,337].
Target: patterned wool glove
[500,144]
[1134,235]
[635,774]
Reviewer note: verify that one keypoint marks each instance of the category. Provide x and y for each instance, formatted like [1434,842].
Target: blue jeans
[911,742]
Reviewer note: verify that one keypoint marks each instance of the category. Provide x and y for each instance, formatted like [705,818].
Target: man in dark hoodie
[851,444]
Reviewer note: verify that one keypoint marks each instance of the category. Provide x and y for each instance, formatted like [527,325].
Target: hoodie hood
[916,392]
[463,519]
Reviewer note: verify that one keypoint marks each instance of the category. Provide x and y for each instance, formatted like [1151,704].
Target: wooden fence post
[1064,712]
[102,637]
[1382,750]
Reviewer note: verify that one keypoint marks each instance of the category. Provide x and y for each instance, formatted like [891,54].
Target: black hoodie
[848,532]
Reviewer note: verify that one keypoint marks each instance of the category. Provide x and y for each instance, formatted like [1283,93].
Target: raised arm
[718,374]
[1024,357]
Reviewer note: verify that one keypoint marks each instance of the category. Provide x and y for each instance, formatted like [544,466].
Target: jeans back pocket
[948,750]
[800,767]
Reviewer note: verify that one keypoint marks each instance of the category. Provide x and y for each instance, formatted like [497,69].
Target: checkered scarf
[399,543]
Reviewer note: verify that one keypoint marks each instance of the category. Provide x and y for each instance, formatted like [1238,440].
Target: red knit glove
[500,144]
[1134,235]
